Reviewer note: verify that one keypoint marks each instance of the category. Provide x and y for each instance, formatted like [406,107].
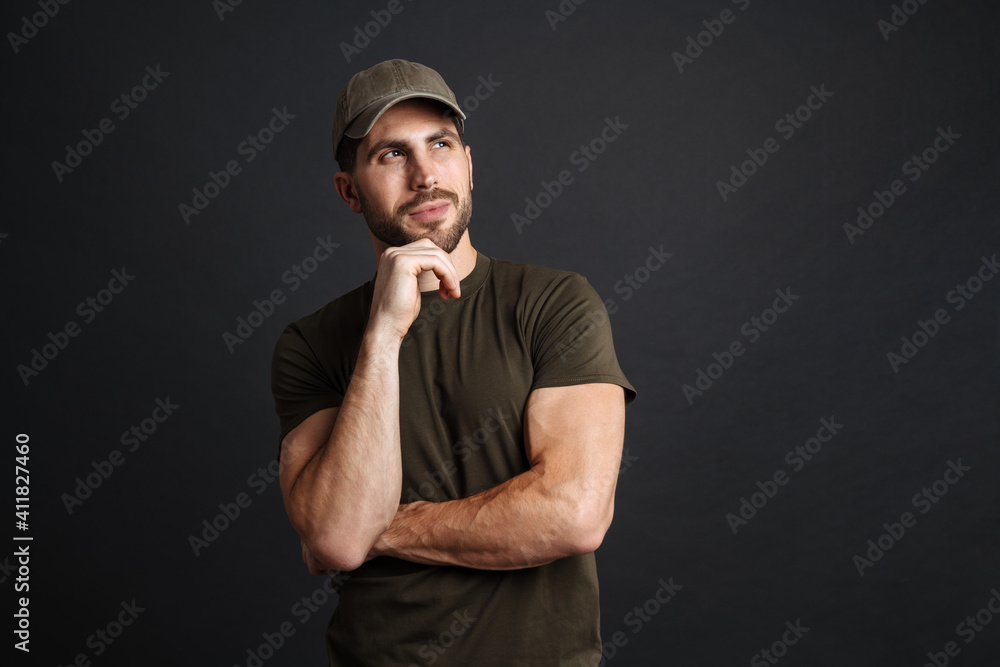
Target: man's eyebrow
[441,134]
[399,143]
[382,145]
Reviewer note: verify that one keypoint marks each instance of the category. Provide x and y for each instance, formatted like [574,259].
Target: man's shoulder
[540,286]
[534,275]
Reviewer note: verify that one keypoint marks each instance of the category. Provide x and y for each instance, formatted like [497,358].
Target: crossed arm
[561,506]
[341,472]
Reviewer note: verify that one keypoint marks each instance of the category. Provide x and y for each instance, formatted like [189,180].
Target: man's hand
[396,300]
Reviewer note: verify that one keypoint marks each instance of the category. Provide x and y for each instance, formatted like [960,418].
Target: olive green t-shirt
[466,368]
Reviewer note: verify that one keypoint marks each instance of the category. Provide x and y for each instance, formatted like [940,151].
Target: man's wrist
[381,340]
[391,542]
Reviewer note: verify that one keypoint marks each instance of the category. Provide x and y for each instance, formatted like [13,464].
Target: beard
[391,229]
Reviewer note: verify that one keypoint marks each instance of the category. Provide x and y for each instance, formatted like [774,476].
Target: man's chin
[445,232]
[444,241]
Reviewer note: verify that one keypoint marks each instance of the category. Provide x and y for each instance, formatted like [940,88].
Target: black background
[689,463]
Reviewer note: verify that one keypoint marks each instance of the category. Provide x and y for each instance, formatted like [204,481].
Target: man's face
[413,177]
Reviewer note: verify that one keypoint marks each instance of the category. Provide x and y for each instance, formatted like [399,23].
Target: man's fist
[396,301]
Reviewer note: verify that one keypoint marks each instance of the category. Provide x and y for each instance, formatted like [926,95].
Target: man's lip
[434,209]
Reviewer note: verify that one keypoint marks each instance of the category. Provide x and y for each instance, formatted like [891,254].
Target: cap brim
[365,121]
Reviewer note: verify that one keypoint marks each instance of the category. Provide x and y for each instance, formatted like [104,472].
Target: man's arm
[341,472]
[561,507]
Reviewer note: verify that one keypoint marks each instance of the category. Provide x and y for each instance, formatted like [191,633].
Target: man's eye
[442,142]
[392,153]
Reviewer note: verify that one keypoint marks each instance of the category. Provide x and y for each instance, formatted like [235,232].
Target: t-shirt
[466,368]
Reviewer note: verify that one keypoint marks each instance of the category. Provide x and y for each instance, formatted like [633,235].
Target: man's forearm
[525,522]
[349,491]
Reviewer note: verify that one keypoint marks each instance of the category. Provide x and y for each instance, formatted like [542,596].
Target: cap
[371,92]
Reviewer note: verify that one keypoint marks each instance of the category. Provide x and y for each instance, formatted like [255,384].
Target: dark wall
[815,440]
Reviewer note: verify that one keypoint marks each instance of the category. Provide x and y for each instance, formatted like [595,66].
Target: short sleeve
[299,383]
[571,339]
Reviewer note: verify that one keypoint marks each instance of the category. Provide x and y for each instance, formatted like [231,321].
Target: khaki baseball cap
[371,92]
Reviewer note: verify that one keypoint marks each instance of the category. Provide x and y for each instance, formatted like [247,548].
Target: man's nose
[424,174]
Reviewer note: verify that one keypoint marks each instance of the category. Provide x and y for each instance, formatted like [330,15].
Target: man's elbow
[341,554]
[588,527]
[585,542]
[341,542]
[344,544]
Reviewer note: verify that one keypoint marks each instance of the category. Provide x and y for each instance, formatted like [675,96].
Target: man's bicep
[301,444]
[577,431]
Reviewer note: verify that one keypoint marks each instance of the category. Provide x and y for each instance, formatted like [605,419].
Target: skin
[341,474]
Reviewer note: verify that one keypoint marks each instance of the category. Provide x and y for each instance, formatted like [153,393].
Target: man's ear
[468,154]
[344,183]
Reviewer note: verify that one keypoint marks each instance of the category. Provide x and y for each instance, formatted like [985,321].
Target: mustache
[426,197]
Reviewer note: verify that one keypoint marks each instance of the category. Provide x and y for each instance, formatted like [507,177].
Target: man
[451,431]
